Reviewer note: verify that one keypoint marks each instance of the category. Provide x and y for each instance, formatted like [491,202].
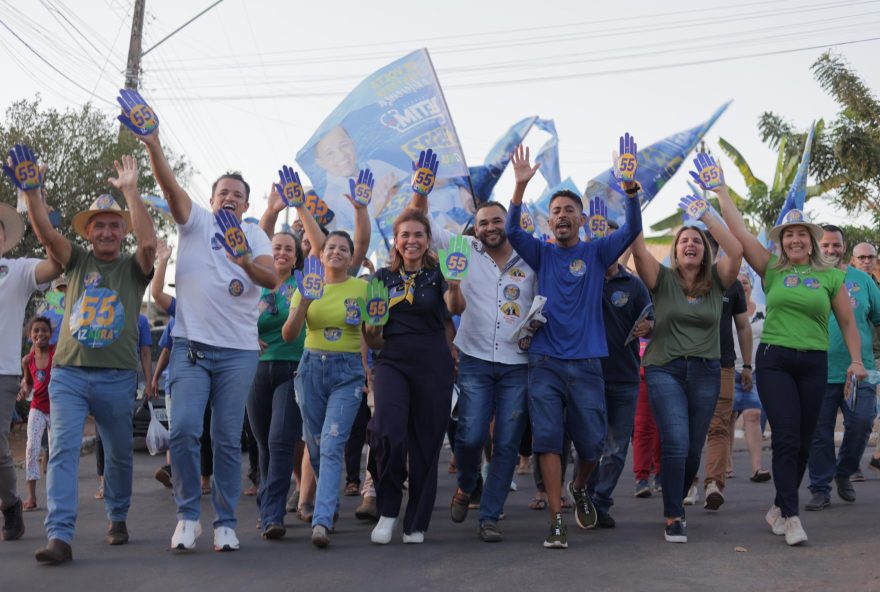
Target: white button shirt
[488,325]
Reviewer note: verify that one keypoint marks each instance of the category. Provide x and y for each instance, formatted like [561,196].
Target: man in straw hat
[18,279]
[95,362]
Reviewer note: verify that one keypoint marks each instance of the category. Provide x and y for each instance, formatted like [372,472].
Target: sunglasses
[866,257]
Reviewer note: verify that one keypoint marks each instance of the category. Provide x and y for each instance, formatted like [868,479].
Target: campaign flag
[548,155]
[383,124]
[157,203]
[797,193]
[485,176]
[657,164]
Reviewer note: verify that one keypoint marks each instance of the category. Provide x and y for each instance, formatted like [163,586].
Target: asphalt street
[731,549]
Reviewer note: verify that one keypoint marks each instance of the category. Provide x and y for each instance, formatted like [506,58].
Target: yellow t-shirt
[333,323]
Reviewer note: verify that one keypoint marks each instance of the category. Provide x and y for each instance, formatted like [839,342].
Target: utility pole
[133,67]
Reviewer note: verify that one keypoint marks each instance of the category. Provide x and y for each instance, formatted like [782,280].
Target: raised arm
[647,267]
[526,245]
[142,224]
[362,234]
[728,265]
[157,287]
[275,206]
[454,298]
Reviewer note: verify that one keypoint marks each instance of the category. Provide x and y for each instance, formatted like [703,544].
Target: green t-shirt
[865,299]
[333,323]
[798,302]
[684,326]
[274,307]
[101,309]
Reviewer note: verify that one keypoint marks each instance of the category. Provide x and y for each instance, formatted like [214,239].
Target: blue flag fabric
[383,125]
[797,193]
[657,164]
[484,177]
[158,203]
[548,155]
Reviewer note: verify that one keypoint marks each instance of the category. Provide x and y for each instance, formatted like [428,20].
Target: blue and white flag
[159,204]
[383,125]
[657,164]
[797,193]
[484,177]
[548,155]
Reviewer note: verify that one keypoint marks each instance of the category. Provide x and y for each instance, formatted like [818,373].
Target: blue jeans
[74,393]
[276,423]
[620,402]
[328,389]
[487,390]
[222,376]
[569,393]
[683,394]
[857,424]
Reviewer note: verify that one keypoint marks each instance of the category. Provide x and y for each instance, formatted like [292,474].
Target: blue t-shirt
[572,280]
[624,299]
[145,339]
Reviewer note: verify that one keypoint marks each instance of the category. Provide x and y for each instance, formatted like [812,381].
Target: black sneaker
[604,519]
[845,489]
[818,502]
[476,495]
[584,510]
[643,489]
[676,532]
[117,534]
[13,523]
[558,537]
[163,475]
[489,532]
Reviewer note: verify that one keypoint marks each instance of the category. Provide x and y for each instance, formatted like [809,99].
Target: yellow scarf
[409,289]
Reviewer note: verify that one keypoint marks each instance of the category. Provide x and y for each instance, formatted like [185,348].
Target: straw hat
[795,218]
[13,225]
[103,205]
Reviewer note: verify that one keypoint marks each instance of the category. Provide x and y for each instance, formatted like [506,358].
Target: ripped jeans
[328,389]
[489,390]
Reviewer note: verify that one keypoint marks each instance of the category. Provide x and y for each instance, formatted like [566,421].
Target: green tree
[847,155]
[79,146]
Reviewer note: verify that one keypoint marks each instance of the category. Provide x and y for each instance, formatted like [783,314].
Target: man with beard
[858,414]
[493,372]
[864,257]
[566,386]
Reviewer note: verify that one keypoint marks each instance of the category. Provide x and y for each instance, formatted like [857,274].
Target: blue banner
[548,155]
[484,177]
[657,164]
[383,125]
[797,193]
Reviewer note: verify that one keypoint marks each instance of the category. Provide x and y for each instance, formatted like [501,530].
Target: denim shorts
[743,399]
[567,394]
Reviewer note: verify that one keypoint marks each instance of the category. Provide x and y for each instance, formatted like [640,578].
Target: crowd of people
[548,343]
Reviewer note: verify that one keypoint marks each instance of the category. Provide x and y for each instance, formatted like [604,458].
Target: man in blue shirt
[565,375]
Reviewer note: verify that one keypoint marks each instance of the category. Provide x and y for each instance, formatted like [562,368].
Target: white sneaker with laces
[225,539]
[414,538]
[381,534]
[794,531]
[185,534]
[692,497]
[775,520]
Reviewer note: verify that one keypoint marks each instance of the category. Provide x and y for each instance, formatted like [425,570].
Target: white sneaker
[794,531]
[415,538]
[692,497]
[185,534]
[381,534]
[225,539]
[714,497]
[775,520]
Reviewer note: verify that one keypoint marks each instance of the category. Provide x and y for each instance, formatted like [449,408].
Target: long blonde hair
[817,259]
[703,282]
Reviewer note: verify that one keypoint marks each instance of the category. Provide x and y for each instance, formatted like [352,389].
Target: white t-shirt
[18,279]
[216,300]
[757,322]
[490,322]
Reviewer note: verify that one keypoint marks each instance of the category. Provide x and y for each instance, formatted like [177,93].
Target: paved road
[843,552]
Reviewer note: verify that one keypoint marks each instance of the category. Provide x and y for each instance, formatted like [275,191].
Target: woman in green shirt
[682,362]
[791,361]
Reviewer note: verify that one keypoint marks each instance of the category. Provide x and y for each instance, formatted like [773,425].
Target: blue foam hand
[597,224]
[526,222]
[290,189]
[708,175]
[137,115]
[627,163]
[310,281]
[694,206]
[424,172]
[362,190]
[22,168]
[231,236]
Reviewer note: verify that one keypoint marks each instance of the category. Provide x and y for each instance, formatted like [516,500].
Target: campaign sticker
[215,244]
[97,318]
[41,375]
[791,281]
[4,271]
[236,288]
[332,333]
[352,312]
[577,268]
[92,279]
[511,292]
[516,274]
[511,309]
[811,283]
[853,287]
[695,299]
[619,298]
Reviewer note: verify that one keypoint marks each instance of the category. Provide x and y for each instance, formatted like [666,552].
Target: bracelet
[857,362]
[749,366]
[633,190]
